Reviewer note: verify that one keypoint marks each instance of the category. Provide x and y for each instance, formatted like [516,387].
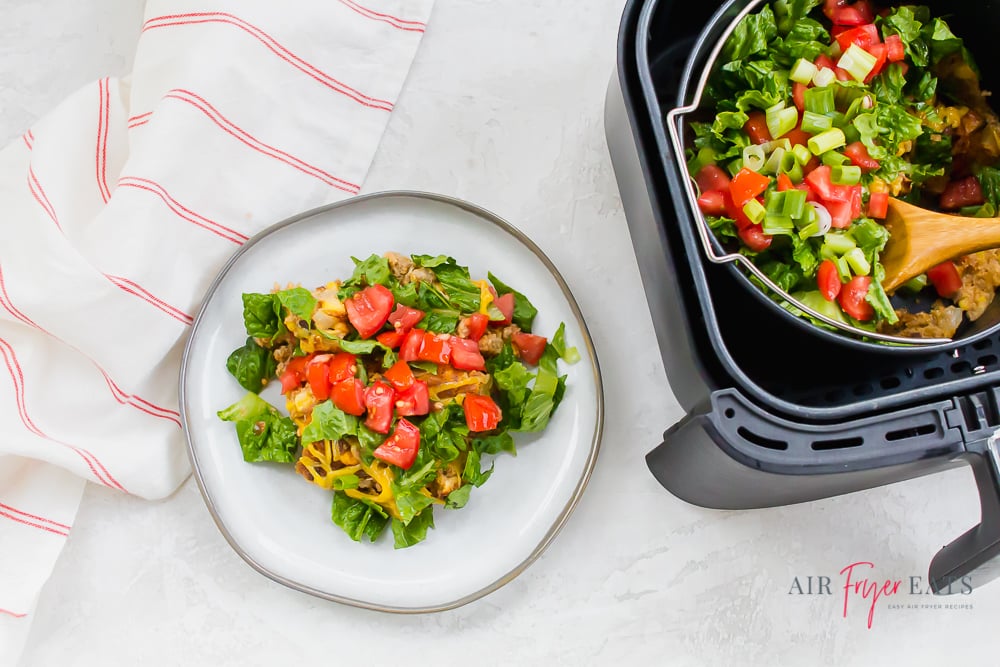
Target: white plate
[280,524]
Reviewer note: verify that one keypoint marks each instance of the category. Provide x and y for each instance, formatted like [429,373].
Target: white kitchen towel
[119,207]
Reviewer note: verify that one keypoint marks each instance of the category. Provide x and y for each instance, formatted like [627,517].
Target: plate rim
[588,343]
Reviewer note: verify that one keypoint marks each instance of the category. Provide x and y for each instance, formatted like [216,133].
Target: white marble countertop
[504,107]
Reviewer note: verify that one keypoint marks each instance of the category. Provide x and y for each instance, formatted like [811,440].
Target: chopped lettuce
[408,534]
[329,423]
[524,311]
[262,316]
[252,365]
[264,435]
[299,301]
[357,518]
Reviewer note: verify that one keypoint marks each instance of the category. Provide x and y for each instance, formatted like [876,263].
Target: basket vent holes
[760,440]
[839,443]
[933,373]
[912,432]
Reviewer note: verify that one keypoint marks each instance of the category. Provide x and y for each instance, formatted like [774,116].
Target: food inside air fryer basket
[822,110]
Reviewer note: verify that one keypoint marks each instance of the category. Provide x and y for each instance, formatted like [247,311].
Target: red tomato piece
[410,349]
[476,323]
[712,177]
[841,13]
[318,376]
[400,376]
[414,400]
[799,96]
[894,49]
[798,137]
[877,50]
[945,279]
[465,355]
[746,185]
[436,348]
[349,396]
[400,448]
[391,339]
[379,400]
[864,36]
[964,192]
[529,347]
[505,304]
[852,298]
[289,380]
[878,205]
[828,280]
[405,318]
[481,413]
[823,60]
[856,197]
[842,74]
[343,366]
[369,309]
[811,166]
[756,127]
[755,238]
[297,365]
[736,212]
[858,154]
[712,203]
[810,195]
[840,213]
[785,183]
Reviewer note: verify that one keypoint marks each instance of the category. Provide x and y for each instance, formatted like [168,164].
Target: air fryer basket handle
[975,555]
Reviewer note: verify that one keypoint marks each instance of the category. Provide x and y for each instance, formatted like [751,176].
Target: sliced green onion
[793,203]
[860,265]
[794,172]
[820,100]
[851,134]
[774,108]
[773,163]
[812,229]
[835,50]
[815,123]
[734,167]
[772,146]
[916,284]
[753,157]
[839,243]
[777,224]
[834,159]
[857,62]
[704,157]
[827,141]
[838,119]
[846,174]
[822,216]
[826,252]
[802,154]
[843,269]
[824,77]
[802,72]
[781,121]
[755,211]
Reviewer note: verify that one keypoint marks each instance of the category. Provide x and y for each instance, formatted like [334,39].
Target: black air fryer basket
[784,418]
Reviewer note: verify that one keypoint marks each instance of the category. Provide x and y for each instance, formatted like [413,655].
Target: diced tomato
[349,396]
[465,355]
[391,339]
[736,212]
[400,448]
[712,203]
[828,280]
[810,195]
[477,322]
[842,74]
[785,183]
[481,413]
[369,309]
[799,96]
[755,238]
[756,127]
[712,177]
[864,36]
[964,192]
[318,376]
[852,298]
[400,376]
[410,349]
[841,13]
[856,201]
[878,205]
[811,166]
[823,60]
[379,400]
[746,185]
[945,279]
[840,213]
[436,348]
[858,153]
[529,347]
[297,365]
[894,49]
[405,318]
[904,67]
[877,50]
[289,380]
[819,180]
[343,366]
[505,304]
[414,400]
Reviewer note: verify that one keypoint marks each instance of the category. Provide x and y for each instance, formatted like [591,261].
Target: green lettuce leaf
[458,498]
[440,321]
[443,434]
[989,181]
[329,423]
[406,535]
[252,365]
[751,35]
[357,518]
[785,276]
[524,311]
[410,503]
[372,271]
[299,301]
[904,22]
[368,346]
[262,315]
[494,444]
[263,434]
[473,474]
[877,297]
[463,294]
[540,403]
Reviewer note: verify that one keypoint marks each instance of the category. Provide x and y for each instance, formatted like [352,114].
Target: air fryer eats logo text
[859,582]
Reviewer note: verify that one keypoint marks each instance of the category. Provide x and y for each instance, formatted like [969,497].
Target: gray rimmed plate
[280,524]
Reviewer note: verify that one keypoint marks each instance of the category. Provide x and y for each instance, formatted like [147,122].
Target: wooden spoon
[922,239]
